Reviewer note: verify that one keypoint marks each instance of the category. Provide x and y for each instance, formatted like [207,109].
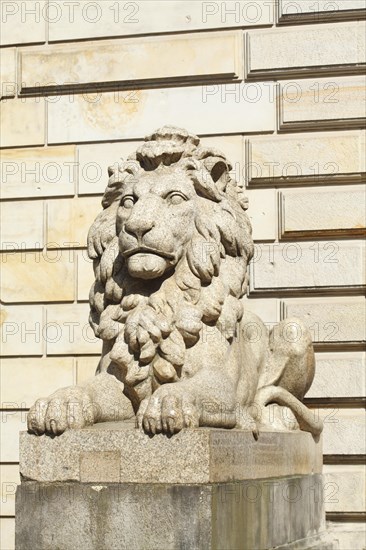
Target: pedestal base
[256,514]
[89,496]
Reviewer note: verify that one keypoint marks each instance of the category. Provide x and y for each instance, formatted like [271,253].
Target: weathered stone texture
[38,172]
[63,328]
[85,368]
[7,532]
[308,266]
[350,535]
[8,83]
[344,488]
[211,109]
[192,456]
[268,309]
[344,431]
[263,213]
[22,122]
[290,160]
[9,475]
[339,375]
[21,226]
[69,332]
[320,212]
[93,163]
[163,59]
[174,517]
[24,380]
[116,18]
[24,22]
[21,330]
[68,221]
[331,321]
[12,422]
[307,50]
[322,103]
[85,277]
[45,276]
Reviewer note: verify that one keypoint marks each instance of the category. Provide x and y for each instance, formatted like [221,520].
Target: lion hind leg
[290,362]
[305,417]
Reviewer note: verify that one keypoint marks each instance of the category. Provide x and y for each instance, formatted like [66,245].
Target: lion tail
[304,416]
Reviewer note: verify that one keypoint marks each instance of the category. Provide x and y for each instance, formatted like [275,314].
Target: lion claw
[167,414]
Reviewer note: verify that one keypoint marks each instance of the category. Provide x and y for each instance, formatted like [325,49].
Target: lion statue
[171,249]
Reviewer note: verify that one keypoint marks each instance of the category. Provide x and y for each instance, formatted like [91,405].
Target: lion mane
[146,332]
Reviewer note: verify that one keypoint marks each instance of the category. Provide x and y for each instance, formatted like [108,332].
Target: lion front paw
[167,413]
[67,408]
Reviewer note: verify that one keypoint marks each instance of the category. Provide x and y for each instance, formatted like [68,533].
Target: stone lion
[170,250]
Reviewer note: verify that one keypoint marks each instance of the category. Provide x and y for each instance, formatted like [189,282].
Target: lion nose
[139,227]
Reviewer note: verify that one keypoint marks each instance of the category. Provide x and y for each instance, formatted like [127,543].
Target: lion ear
[219,170]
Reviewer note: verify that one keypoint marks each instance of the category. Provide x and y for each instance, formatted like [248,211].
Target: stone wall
[278,86]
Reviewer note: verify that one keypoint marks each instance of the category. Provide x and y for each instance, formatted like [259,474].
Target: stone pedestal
[113,487]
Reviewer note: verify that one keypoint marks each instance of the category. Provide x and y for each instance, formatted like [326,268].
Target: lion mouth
[148,250]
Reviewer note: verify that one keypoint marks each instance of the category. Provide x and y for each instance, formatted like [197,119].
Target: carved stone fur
[170,250]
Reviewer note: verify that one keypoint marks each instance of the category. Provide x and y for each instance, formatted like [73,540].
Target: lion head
[170,251]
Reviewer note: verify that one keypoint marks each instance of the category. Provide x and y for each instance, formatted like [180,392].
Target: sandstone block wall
[276,84]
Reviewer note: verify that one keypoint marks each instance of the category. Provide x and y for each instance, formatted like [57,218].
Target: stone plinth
[113,487]
[116,452]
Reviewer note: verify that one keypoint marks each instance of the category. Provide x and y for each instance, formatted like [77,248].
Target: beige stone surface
[210,109]
[24,21]
[344,488]
[98,465]
[192,456]
[323,212]
[21,225]
[24,380]
[38,172]
[9,475]
[162,59]
[7,533]
[268,309]
[339,375]
[85,275]
[40,276]
[68,221]
[344,431]
[200,516]
[21,330]
[322,103]
[93,163]
[310,50]
[309,11]
[332,321]
[290,160]
[304,266]
[351,535]
[69,332]
[85,368]
[22,122]
[263,213]
[12,422]
[8,82]
[118,18]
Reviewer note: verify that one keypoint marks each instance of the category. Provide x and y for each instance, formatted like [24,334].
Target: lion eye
[176,198]
[128,202]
